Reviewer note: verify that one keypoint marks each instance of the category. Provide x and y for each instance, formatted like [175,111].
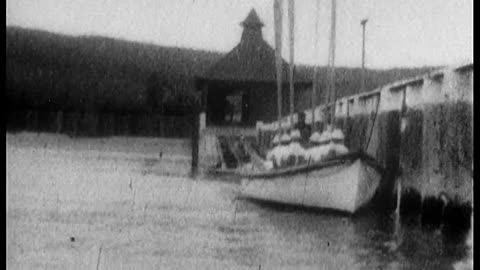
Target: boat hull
[344,186]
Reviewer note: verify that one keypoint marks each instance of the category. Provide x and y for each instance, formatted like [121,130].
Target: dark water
[275,236]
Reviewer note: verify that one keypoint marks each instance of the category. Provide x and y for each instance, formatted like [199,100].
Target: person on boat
[297,154]
[303,127]
[273,153]
[337,143]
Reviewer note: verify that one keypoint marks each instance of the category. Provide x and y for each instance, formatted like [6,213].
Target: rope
[374,120]
[235,200]
[305,183]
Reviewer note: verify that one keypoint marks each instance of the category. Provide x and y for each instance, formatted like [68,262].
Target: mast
[315,69]
[277,15]
[331,89]
[363,23]
[291,11]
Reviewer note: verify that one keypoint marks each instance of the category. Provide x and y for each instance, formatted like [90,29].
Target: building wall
[263,104]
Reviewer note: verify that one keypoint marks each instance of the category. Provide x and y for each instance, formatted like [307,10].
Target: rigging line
[304,189]
[374,121]
[243,186]
[305,183]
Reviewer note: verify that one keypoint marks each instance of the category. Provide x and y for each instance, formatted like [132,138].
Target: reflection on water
[146,220]
[290,238]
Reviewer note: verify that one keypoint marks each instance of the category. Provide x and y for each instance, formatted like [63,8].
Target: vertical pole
[195,142]
[399,198]
[99,256]
[315,70]
[397,226]
[398,177]
[314,96]
[331,92]
[277,14]
[291,11]
[362,88]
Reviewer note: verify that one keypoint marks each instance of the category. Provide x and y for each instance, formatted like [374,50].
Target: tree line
[50,72]
[53,72]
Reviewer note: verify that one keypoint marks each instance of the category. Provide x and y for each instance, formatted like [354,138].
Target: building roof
[252,20]
[252,60]
[247,62]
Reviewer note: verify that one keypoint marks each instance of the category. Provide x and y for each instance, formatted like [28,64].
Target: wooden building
[240,89]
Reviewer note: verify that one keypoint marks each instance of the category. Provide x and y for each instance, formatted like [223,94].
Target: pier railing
[449,84]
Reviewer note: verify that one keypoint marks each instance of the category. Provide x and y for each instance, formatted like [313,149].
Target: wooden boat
[344,183]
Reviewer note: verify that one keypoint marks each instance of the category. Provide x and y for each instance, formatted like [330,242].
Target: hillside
[51,71]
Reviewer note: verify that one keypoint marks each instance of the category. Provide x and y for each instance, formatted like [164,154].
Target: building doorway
[236,108]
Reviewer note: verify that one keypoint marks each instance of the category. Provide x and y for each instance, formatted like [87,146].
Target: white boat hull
[345,187]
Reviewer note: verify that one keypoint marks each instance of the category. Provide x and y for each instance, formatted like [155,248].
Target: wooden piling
[195,140]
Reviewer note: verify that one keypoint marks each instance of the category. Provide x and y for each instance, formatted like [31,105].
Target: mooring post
[399,197]
[195,141]
[400,131]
